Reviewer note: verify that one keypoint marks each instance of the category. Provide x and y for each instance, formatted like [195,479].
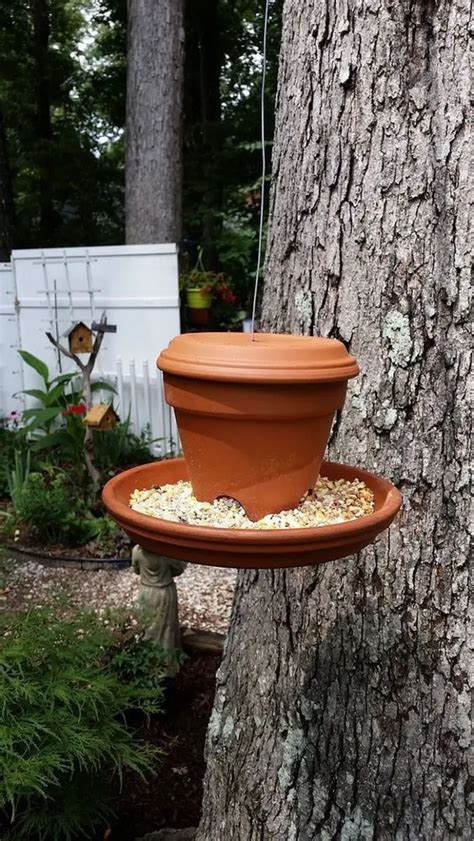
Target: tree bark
[44,131]
[7,208]
[342,705]
[154,121]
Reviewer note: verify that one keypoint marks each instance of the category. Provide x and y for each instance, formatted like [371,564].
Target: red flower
[79,409]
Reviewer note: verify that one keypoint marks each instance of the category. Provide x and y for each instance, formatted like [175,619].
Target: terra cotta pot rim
[263,358]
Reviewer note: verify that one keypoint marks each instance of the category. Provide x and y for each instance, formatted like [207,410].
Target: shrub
[49,506]
[140,661]
[8,446]
[63,695]
[120,447]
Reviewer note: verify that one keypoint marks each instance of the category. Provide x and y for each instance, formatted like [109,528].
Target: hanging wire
[264,166]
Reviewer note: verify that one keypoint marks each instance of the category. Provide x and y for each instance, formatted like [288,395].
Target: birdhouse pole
[86,387]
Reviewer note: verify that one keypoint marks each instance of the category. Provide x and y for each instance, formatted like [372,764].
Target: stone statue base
[158,599]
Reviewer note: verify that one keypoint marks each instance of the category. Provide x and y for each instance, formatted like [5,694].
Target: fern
[63,696]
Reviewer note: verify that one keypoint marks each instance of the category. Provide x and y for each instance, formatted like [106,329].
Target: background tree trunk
[44,131]
[154,114]
[7,208]
[342,705]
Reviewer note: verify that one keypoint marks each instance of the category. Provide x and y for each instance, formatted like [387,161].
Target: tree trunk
[154,121]
[44,132]
[209,74]
[342,705]
[7,209]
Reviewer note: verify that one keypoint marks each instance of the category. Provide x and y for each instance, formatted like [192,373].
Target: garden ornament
[158,598]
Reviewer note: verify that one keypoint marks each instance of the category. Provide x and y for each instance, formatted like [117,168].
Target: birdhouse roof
[97,413]
[75,326]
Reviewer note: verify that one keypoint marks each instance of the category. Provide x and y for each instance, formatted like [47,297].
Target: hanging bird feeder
[254,413]
[254,416]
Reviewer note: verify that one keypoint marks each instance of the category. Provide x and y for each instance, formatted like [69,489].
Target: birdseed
[332,501]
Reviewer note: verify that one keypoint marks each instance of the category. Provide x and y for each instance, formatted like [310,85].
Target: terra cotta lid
[270,357]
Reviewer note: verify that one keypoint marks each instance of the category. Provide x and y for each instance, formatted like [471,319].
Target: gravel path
[204,593]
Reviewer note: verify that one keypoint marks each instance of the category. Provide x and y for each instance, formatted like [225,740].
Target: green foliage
[57,424]
[53,502]
[197,279]
[40,367]
[120,447]
[141,662]
[70,158]
[49,506]
[8,441]
[107,537]
[222,155]
[58,394]
[63,694]
[79,167]
[20,473]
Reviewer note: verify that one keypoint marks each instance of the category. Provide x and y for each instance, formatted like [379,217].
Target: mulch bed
[117,547]
[74,558]
[172,798]
[120,547]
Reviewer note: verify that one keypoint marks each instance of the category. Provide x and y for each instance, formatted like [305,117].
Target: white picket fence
[50,289]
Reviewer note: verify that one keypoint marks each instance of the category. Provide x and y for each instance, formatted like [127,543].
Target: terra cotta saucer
[247,548]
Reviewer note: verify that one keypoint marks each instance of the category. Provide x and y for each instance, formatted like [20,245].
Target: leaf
[42,396]
[40,367]
[43,415]
[63,378]
[53,439]
[101,385]
[56,393]
[40,417]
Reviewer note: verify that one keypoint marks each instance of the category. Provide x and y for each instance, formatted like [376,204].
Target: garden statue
[158,597]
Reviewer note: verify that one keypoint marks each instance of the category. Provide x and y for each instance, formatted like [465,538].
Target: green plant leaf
[40,418]
[43,415]
[42,396]
[40,367]
[101,385]
[56,394]
[63,378]
[64,735]
[53,439]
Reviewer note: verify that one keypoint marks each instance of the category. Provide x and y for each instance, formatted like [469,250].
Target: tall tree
[7,208]
[40,15]
[154,120]
[63,110]
[342,705]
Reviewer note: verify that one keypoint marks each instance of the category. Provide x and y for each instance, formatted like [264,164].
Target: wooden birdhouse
[101,416]
[80,338]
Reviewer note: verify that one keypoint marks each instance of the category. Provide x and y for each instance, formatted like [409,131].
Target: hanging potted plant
[197,285]
[203,288]
[254,412]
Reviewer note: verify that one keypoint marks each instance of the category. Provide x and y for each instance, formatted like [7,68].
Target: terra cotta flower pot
[254,414]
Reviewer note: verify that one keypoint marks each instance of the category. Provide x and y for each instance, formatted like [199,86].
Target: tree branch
[66,352]
[97,344]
